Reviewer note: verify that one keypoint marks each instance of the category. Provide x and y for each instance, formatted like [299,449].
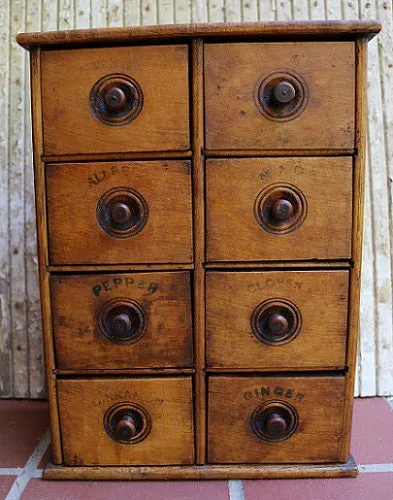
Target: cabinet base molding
[194,472]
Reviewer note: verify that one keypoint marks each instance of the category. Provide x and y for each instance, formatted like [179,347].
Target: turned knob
[115,99]
[126,427]
[121,320]
[274,421]
[284,92]
[121,324]
[277,324]
[120,214]
[275,321]
[282,210]
[275,425]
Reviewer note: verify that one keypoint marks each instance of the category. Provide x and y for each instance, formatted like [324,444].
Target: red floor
[23,452]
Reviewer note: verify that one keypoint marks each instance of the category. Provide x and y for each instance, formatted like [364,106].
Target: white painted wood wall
[21,359]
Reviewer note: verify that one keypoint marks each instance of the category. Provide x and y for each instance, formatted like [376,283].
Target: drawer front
[117,321]
[124,421]
[116,99]
[275,419]
[277,320]
[280,95]
[278,208]
[123,212]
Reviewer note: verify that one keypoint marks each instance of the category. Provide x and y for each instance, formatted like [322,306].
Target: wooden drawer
[275,419]
[277,320]
[280,95]
[121,421]
[115,100]
[123,212]
[278,208]
[120,321]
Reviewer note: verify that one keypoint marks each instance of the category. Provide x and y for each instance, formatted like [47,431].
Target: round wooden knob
[277,324]
[276,321]
[127,422]
[284,92]
[121,320]
[120,214]
[115,99]
[274,421]
[126,427]
[121,324]
[275,425]
[282,210]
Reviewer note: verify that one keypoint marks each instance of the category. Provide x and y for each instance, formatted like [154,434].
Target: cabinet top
[257,31]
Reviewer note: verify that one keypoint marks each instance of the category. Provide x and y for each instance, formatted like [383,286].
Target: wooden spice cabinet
[199,194]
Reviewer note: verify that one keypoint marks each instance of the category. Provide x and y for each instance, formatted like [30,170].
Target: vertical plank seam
[26,315]
[374,251]
[11,343]
[5,305]
[374,265]
[386,143]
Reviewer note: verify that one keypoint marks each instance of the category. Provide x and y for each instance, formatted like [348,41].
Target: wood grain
[320,296]
[320,29]
[118,156]
[16,210]
[233,73]
[244,471]
[380,146]
[127,371]
[240,153]
[44,15]
[358,215]
[6,354]
[278,264]
[168,401]
[199,249]
[233,399]
[332,236]
[165,299]
[69,124]
[233,185]
[119,268]
[166,188]
[42,247]
[35,364]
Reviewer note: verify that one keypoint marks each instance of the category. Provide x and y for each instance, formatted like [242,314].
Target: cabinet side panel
[43,252]
[358,212]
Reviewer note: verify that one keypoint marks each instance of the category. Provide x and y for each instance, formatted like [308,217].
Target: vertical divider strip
[40,200]
[199,246]
[359,165]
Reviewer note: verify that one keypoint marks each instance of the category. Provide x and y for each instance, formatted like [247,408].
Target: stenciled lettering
[109,284]
[280,392]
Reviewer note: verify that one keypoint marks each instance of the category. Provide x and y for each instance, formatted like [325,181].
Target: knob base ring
[262,412]
[266,200]
[118,306]
[118,411]
[133,97]
[138,208]
[264,310]
[269,107]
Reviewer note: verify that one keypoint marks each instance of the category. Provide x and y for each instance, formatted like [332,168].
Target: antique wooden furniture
[199,196]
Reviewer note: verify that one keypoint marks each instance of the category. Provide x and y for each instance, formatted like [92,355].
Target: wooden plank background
[21,357]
